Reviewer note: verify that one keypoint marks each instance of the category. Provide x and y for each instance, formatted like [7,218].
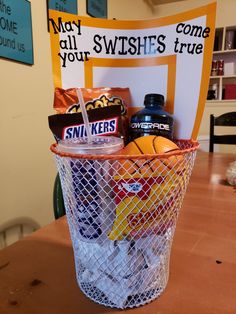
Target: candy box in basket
[147,190]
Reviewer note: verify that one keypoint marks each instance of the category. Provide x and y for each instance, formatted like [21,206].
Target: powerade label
[102,127]
[154,127]
[150,126]
[151,120]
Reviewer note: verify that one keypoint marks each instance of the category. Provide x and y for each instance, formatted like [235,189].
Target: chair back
[15,229]
[58,200]
[226,120]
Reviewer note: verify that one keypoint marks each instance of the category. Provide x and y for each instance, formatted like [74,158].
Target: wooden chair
[15,229]
[226,120]
[58,201]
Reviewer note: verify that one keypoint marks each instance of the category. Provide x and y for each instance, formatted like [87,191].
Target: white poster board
[170,55]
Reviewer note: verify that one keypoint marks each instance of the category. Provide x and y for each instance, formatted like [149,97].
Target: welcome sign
[16,41]
[171,56]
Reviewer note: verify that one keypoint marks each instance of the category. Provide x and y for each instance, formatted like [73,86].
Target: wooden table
[37,274]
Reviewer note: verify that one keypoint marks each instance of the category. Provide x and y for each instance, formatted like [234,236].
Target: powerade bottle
[152,120]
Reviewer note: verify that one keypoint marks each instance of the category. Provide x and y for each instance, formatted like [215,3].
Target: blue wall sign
[69,6]
[16,31]
[97,8]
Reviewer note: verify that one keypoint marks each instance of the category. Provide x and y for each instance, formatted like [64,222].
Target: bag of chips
[102,98]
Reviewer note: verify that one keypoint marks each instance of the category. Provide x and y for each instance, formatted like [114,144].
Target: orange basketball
[162,146]
[151,144]
[133,166]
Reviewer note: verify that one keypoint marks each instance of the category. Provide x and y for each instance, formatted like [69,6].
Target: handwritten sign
[97,8]
[16,31]
[171,56]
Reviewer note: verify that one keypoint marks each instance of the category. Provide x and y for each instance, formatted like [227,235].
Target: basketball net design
[122,213]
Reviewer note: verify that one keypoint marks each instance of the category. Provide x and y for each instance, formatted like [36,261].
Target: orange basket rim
[194,146]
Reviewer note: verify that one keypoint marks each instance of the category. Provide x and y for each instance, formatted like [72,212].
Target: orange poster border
[206,69]
[206,10]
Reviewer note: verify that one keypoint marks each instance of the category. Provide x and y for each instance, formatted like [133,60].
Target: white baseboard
[204,142]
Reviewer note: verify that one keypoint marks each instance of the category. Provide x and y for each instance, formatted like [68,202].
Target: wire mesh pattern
[122,215]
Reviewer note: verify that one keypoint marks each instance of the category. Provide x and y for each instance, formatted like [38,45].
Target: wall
[225,9]
[27,167]
[132,9]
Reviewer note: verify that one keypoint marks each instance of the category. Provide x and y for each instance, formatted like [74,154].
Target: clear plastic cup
[100,145]
[89,189]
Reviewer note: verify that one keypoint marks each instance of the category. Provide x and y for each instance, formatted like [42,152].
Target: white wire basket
[122,213]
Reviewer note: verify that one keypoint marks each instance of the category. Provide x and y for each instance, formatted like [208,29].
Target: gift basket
[122,208]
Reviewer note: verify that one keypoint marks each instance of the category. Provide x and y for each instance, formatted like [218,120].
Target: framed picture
[16,31]
[97,8]
[67,6]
